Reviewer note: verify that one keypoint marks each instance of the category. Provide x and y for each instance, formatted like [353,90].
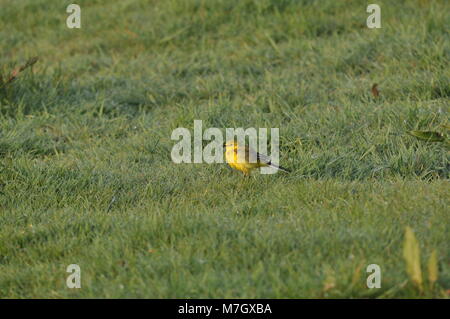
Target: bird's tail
[281,168]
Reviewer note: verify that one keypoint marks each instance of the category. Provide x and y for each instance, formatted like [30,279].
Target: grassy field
[86,175]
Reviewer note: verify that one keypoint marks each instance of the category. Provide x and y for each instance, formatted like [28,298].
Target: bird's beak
[224,145]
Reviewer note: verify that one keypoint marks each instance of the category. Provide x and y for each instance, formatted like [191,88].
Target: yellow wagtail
[231,156]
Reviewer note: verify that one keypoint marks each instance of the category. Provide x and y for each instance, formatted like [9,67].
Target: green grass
[85,170]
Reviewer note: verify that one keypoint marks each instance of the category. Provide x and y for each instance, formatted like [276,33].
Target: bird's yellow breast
[231,156]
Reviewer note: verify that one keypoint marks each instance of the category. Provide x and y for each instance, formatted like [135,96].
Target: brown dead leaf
[131,33]
[375,92]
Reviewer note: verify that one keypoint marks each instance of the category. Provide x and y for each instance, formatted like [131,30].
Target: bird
[232,151]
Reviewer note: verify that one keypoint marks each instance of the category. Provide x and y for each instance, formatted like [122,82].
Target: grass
[85,170]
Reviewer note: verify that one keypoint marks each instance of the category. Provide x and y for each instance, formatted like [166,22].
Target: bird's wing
[263,158]
[258,156]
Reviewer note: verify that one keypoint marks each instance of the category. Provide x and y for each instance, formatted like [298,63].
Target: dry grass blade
[433,268]
[428,136]
[20,69]
[411,253]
